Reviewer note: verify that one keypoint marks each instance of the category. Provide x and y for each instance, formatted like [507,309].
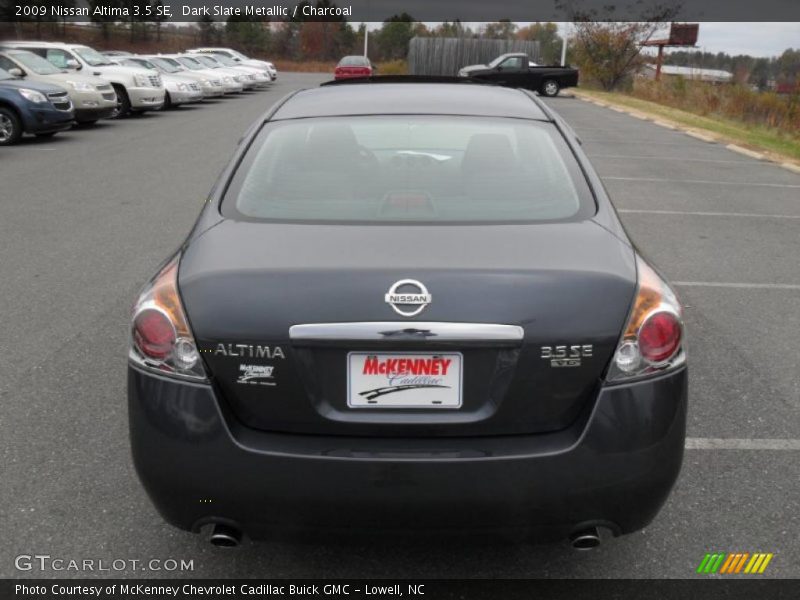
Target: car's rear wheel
[550,88]
[10,127]
[123,103]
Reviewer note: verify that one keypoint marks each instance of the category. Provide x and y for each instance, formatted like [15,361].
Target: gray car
[408,307]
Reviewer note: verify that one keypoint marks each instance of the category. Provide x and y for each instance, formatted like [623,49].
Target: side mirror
[73,64]
[16,72]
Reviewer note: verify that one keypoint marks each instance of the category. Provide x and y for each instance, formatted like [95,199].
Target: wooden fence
[445,56]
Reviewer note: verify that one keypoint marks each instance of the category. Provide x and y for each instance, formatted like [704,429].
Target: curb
[745,151]
[700,136]
[705,137]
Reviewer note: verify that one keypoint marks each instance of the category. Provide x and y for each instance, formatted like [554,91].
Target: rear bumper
[614,467]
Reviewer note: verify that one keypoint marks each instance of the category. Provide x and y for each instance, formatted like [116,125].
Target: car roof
[410,98]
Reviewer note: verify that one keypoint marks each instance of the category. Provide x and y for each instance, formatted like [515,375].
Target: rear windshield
[424,169]
[353,61]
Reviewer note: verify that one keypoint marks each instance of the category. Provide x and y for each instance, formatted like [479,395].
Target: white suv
[240,58]
[137,89]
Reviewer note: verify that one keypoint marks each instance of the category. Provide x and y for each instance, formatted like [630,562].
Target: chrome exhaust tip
[585,539]
[225,536]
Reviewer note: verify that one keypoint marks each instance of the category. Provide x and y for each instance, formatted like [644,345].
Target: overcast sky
[755,39]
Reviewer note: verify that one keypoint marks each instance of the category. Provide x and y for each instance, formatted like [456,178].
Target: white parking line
[705,214]
[743,286]
[705,182]
[741,444]
[629,141]
[683,158]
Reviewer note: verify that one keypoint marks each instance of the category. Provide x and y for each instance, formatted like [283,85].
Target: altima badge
[408,293]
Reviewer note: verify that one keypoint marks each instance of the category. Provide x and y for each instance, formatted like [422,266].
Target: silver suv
[210,84]
[93,98]
[264,65]
[180,89]
[229,84]
[137,89]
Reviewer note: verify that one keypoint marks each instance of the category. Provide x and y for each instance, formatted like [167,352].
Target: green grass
[752,136]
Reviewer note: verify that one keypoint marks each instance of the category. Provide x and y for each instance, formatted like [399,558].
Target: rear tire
[550,88]
[10,127]
[123,103]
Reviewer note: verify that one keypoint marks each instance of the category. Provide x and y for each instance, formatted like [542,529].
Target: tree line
[758,71]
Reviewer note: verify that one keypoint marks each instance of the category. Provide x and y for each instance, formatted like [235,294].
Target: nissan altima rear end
[408,308]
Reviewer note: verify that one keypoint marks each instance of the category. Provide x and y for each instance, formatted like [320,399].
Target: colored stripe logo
[731,563]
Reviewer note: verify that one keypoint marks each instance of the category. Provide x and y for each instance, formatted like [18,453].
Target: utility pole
[366,31]
[564,47]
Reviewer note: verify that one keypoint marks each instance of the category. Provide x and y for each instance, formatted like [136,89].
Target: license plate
[404,380]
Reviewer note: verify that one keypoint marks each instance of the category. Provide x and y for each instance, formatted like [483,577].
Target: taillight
[161,338]
[653,338]
[153,333]
[659,337]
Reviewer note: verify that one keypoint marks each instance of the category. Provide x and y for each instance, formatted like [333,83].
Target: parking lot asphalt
[85,218]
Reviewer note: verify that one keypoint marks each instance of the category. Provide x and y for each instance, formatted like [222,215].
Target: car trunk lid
[289,318]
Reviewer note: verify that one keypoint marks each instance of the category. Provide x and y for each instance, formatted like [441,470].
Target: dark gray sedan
[408,306]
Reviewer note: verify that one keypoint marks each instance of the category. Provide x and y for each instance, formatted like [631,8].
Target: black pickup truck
[517,70]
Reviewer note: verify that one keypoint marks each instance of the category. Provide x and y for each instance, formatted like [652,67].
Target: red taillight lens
[652,341]
[659,337]
[160,334]
[153,333]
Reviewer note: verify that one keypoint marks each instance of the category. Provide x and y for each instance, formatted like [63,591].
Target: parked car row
[47,87]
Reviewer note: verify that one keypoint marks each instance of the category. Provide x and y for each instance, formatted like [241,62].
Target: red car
[353,66]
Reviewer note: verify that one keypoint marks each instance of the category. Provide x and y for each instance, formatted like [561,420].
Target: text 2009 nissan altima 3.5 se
[408,307]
